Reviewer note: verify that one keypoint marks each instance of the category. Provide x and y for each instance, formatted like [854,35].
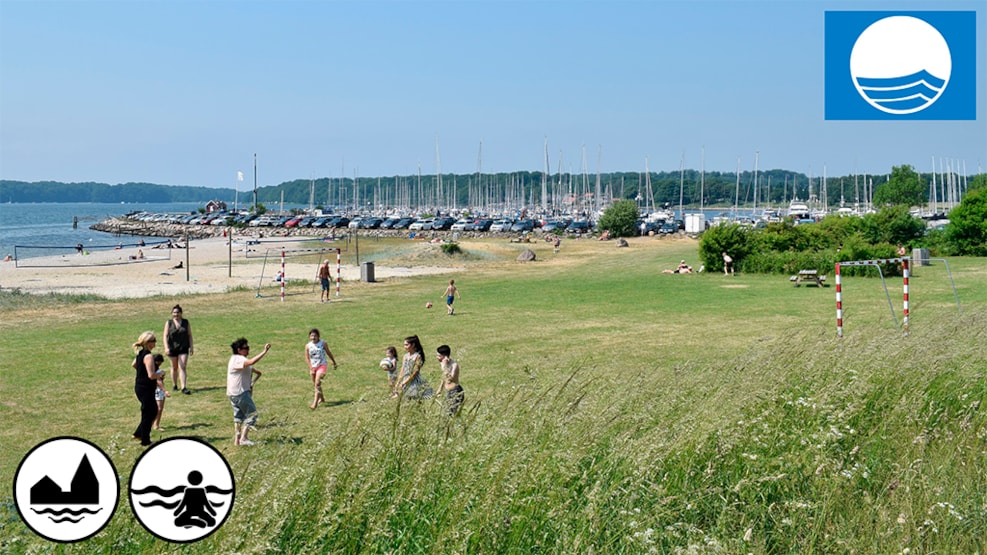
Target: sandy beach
[119,274]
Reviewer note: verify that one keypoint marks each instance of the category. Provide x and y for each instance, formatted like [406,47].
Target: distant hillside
[54,191]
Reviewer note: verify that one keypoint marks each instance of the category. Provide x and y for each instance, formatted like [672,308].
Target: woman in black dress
[178,347]
[145,382]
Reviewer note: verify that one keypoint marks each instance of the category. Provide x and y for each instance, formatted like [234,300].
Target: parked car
[464,224]
[443,223]
[403,223]
[389,223]
[423,224]
[370,223]
[482,225]
[523,225]
[579,226]
[553,225]
[649,227]
[668,227]
[501,225]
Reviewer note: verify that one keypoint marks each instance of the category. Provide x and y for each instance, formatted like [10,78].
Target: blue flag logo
[909,65]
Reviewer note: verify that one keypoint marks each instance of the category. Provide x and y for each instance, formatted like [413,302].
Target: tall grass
[613,411]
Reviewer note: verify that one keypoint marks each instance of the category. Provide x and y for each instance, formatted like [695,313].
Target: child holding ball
[390,364]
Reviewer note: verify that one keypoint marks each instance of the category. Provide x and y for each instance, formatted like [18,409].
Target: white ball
[386,364]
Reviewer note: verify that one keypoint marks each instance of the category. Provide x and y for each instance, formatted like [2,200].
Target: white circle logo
[66,489]
[900,64]
[181,489]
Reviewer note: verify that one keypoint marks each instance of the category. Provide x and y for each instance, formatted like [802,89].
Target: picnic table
[808,275]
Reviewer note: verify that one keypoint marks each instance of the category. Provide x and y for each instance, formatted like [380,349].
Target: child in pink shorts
[316,354]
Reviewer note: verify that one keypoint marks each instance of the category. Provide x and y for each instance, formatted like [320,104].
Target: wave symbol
[907,93]
[72,513]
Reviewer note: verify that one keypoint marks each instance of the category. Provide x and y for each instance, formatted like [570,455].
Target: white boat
[798,211]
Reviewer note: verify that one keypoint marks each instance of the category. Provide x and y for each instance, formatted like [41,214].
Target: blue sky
[185,93]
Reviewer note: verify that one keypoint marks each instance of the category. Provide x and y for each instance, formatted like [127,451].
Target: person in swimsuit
[451,294]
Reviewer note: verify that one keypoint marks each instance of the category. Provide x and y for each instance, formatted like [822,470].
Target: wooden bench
[808,275]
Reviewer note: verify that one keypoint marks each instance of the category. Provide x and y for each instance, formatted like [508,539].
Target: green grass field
[609,409]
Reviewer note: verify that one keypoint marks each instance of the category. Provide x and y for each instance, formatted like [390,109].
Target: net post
[839,304]
[904,268]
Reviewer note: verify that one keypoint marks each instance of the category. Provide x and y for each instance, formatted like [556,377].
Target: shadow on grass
[205,389]
[195,426]
[337,403]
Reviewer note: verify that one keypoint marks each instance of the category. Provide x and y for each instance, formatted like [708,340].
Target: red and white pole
[282,275]
[839,304]
[339,268]
[904,267]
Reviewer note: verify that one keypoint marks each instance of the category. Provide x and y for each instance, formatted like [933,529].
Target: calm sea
[50,224]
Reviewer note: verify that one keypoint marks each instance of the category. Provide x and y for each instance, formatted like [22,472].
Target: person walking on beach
[145,382]
[451,294]
[450,380]
[316,353]
[411,384]
[160,393]
[240,382]
[727,264]
[178,347]
[323,275]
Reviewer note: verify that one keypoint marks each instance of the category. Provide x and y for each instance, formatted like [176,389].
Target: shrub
[967,229]
[892,224]
[451,248]
[733,239]
[620,218]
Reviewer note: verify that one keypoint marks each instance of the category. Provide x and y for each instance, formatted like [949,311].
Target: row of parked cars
[440,223]
[662,227]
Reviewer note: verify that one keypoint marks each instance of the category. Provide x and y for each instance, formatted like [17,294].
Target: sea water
[51,224]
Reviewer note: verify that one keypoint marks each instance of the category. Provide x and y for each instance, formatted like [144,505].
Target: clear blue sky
[185,92]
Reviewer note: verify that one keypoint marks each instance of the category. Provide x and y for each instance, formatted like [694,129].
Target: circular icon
[900,64]
[181,489]
[66,489]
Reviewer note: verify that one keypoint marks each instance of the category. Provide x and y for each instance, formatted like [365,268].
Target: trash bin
[920,257]
[367,272]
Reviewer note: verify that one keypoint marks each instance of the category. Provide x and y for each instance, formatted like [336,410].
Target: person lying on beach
[682,268]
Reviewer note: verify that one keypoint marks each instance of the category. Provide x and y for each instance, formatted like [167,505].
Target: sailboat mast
[598,194]
[544,181]
[681,184]
[756,155]
[702,177]
[736,195]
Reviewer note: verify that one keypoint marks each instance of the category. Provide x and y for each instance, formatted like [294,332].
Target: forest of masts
[579,194]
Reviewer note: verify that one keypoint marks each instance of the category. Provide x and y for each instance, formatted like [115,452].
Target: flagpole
[255,183]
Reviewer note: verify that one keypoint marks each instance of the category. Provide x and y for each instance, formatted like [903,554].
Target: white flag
[239,176]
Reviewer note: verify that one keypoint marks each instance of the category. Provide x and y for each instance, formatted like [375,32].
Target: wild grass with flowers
[609,409]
